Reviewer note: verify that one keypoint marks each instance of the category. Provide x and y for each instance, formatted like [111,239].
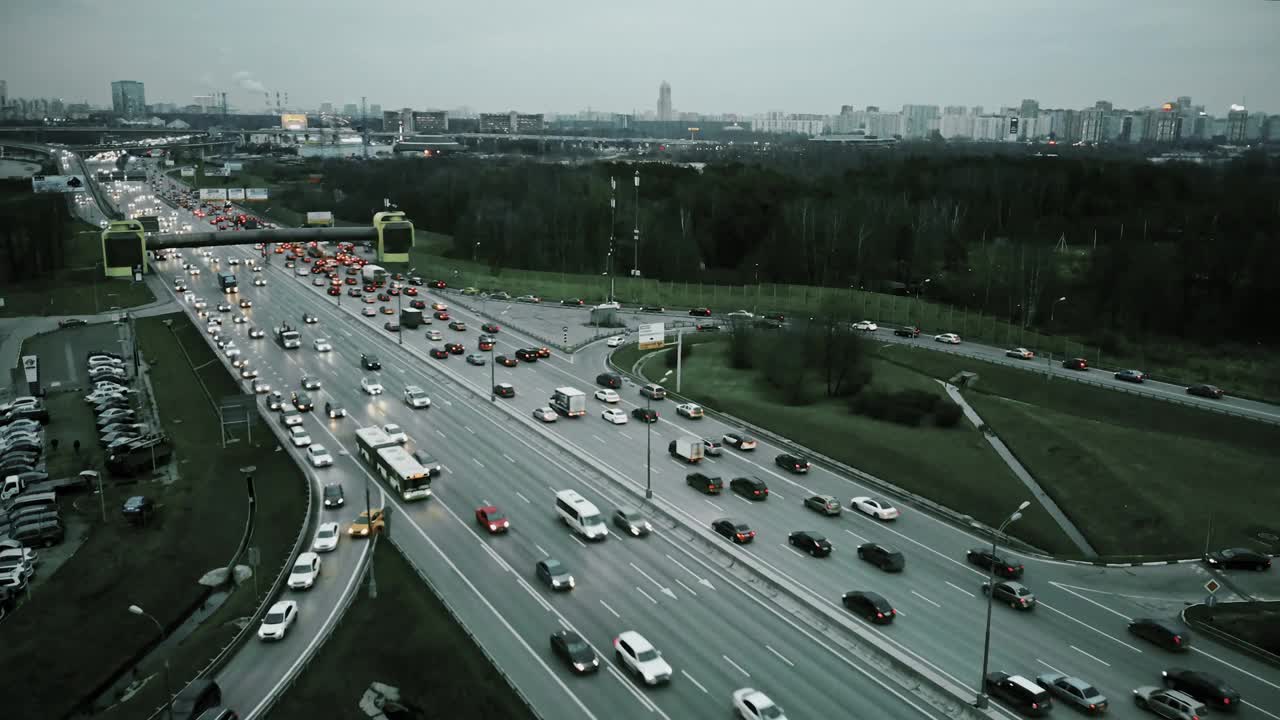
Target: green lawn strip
[1127,469]
[78,622]
[1257,623]
[954,467]
[436,665]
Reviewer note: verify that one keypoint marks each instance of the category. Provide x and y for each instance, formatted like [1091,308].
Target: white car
[616,416]
[416,397]
[305,570]
[371,386]
[948,338]
[230,349]
[615,341]
[368,312]
[318,456]
[1021,354]
[641,658]
[435,335]
[298,436]
[866,326]
[278,620]
[321,345]
[545,414]
[878,509]
[607,395]
[752,704]
[743,314]
[396,433]
[692,411]
[326,538]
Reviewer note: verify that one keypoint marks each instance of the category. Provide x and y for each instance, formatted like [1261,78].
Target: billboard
[293,122]
[255,194]
[217,172]
[58,184]
[235,193]
[188,172]
[213,194]
[651,335]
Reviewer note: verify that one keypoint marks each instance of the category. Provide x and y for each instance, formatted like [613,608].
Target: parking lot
[62,353]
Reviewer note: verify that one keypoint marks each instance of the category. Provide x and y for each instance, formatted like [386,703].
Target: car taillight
[1177,640]
[1226,701]
[1035,706]
[879,615]
[1092,706]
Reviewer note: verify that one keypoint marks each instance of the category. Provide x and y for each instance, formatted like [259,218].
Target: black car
[137,509]
[1025,696]
[309,319]
[700,312]
[869,605]
[428,461]
[1208,391]
[910,332]
[570,647]
[71,322]
[370,362]
[630,520]
[553,573]
[882,556]
[739,532]
[1238,559]
[810,542]
[303,402]
[983,558]
[1205,687]
[571,301]
[752,488]
[653,308]
[1168,634]
[504,390]
[333,497]
[454,348]
[792,463]
[439,353]
[527,355]
[1075,364]
[609,380]
[505,361]
[704,484]
[645,415]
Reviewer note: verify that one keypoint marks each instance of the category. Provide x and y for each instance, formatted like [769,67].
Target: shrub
[741,349]
[921,401]
[947,413]
[670,358]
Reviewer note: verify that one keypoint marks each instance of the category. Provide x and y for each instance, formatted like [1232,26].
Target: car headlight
[579,666]
[635,530]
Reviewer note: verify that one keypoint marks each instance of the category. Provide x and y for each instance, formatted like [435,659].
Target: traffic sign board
[1212,586]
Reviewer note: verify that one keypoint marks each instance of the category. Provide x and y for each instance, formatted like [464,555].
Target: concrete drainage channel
[909,672]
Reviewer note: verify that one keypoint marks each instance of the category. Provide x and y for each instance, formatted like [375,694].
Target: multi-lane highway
[718,634]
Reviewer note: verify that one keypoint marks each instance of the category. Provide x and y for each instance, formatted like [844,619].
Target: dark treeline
[33,232]
[1138,248]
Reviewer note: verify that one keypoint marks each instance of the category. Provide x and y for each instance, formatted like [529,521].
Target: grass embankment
[955,467]
[1138,476]
[437,667]
[76,633]
[1257,623]
[79,288]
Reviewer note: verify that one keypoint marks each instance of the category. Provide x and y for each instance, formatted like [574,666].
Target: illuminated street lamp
[991,591]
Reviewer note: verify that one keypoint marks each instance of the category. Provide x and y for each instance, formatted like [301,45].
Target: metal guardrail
[1084,379]
[1227,638]
[304,532]
[454,615]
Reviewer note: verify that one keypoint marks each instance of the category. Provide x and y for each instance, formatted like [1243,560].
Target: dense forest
[1139,248]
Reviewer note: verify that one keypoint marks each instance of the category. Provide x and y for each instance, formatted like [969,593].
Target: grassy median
[75,635]
[955,467]
[416,647]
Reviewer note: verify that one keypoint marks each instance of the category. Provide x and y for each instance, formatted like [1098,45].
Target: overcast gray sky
[744,56]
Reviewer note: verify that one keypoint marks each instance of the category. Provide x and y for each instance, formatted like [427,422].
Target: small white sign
[652,336]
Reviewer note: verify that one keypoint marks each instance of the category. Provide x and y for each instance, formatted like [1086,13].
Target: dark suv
[1075,364]
[1205,687]
[752,488]
[609,380]
[704,484]
[1025,696]
[370,362]
[883,557]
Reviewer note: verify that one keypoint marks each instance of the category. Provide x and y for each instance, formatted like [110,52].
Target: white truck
[687,448]
[570,402]
[373,274]
[287,337]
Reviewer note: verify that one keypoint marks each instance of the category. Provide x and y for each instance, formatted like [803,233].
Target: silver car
[1074,691]
[1171,704]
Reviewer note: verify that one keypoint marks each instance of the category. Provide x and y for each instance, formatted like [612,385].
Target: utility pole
[364,128]
[635,232]
[613,206]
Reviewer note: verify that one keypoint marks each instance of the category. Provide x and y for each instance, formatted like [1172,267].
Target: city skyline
[923,51]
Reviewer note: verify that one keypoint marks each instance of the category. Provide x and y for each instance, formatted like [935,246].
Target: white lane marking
[913,592]
[665,590]
[788,547]
[1049,666]
[439,433]
[1081,622]
[1094,657]
[1061,586]
[575,539]
[606,607]
[599,439]
[775,494]
[1233,667]
[743,499]
[468,428]
[508,457]
[855,535]
[701,580]
[686,587]
[635,692]
[710,503]
[695,682]
[779,656]
[478,463]
[735,665]
[625,435]
[966,592]
[541,550]
[522,497]
[1255,707]
[642,592]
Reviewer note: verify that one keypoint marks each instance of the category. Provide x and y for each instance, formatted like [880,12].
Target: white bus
[581,516]
[393,464]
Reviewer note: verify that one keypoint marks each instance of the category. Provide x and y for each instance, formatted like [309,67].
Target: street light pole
[493,380]
[399,314]
[168,694]
[991,581]
[1054,307]
[613,210]
[648,450]
[635,233]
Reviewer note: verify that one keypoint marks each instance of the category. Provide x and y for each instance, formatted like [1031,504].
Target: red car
[442,315]
[417,304]
[492,519]
[351,281]
[334,290]
[544,352]
[411,291]
[437,284]
[486,345]
[439,353]
[455,348]
[393,292]
[490,328]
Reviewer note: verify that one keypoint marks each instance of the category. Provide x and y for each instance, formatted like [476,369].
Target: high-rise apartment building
[664,102]
[919,121]
[1237,120]
[1029,108]
[375,110]
[4,95]
[351,110]
[128,98]
[431,122]
[326,108]
[1104,105]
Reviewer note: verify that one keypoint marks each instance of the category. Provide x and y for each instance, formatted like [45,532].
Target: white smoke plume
[245,80]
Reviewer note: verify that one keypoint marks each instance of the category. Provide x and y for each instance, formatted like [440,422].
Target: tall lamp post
[1054,307]
[648,450]
[991,581]
[168,695]
[613,210]
[399,314]
[493,380]
[635,232]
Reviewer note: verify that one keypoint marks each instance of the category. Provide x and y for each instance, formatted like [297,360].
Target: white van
[581,516]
